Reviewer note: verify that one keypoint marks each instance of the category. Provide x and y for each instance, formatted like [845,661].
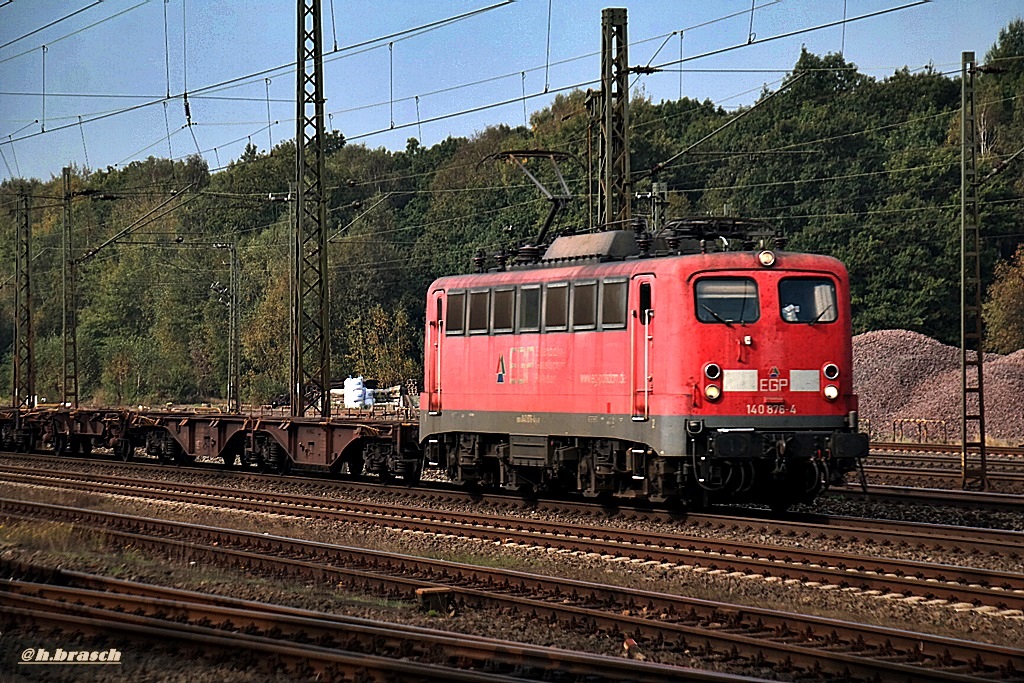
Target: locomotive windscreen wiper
[823,312]
[715,315]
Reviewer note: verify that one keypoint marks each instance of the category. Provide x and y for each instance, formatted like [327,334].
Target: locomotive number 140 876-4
[770,409]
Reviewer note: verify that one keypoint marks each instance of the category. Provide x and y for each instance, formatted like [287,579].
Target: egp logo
[31,655]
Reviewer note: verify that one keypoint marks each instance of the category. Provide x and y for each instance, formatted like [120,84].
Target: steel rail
[488,656]
[974,500]
[797,525]
[643,614]
[332,664]
[1015,477]
[897,446]
[932,580]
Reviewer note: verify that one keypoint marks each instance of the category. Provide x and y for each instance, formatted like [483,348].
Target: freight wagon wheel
[60,444]
[7,437]
[412,475]
[355,464]
[84,446]
[124,449]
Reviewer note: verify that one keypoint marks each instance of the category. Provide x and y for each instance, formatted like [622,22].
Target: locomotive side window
[584,305]
[455,322]
[727,300]
[613,304]
[503,310]
[478,312]
[529,309]
[807,300]
[556,307]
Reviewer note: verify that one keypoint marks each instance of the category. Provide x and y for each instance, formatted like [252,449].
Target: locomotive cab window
[556,307]
[807,300]
[584,305]
[478,312]
[503,310]
[727,300]
[529,309]
[455,321]
[613,304]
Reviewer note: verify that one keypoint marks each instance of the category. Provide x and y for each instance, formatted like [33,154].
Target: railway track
[327,496]
[942,498]
[906,447]
[305,641]
[963,585]
[911,476]
[659,622]
[941,461]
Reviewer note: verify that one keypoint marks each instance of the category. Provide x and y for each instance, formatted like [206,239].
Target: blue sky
[118,47]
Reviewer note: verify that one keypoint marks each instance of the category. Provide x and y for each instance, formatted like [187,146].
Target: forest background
[864,169]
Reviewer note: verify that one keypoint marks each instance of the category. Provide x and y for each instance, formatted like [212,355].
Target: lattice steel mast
[973,458]
[69,327]
[310,367]
[24,370]
[234,328]
[614,183]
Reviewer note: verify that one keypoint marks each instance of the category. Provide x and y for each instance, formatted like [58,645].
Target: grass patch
[493,561]
[51,537]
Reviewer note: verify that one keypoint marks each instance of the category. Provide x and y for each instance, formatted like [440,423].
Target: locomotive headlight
[712,392]
[712,371]
[766,258]
[831,392]
[831,371]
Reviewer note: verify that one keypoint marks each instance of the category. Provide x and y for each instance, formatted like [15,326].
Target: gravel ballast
[902,375]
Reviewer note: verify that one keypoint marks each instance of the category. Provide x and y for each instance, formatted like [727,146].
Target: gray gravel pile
[903,375]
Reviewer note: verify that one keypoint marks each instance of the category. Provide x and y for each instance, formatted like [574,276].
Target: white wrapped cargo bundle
[355,392]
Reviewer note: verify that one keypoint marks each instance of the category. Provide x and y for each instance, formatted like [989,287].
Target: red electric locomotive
[658,369]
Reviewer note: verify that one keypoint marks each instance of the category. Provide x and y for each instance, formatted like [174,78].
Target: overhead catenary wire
[791,34]
[376,263]
[654,170]
[14,155]
[42,126]
[270,131]
[425,28]
[4,156]
[167,51]
[419,119]
[418,30]
[51,24]
[562,62]
[334,27]
[143,220]
[547,53]
[167,127]
[77,31]
[691,58]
